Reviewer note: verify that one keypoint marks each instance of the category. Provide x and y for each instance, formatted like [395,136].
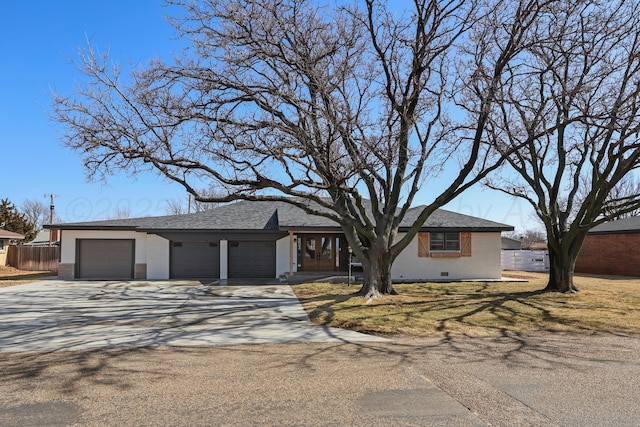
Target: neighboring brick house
[612,248]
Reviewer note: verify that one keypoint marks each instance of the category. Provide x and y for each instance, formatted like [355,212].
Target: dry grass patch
[10,276]
[605,304]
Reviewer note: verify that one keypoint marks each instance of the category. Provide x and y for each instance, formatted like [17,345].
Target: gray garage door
[105,258]
[195,260]
[252,259]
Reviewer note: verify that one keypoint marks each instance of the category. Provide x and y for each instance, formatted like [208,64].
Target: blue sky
[39,38]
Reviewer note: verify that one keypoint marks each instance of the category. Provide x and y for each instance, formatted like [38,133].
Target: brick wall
[140,272]
[66,271]
[614,254]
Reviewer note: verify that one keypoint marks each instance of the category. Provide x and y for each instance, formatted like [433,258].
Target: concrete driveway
[61,315]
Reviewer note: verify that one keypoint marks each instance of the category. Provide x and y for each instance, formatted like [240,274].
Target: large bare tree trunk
[561,266]
[377,275]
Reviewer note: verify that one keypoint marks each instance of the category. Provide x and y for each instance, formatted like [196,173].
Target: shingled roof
[6,234]
[272,216]
[619,226]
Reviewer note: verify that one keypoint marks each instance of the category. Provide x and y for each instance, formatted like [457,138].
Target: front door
[318,252]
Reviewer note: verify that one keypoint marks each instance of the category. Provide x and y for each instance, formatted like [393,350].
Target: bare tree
[344,111]
[627,188]
[188,204]
[572,104]
[37,212]
[176,207]
[121,212]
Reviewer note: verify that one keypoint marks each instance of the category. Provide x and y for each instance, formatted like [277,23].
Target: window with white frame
[444,242]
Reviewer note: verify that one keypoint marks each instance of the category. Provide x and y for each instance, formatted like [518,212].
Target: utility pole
[52,208]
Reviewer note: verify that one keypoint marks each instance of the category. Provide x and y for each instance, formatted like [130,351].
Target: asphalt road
[545,380]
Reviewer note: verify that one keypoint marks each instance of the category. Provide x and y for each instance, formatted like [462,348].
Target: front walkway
[61,315]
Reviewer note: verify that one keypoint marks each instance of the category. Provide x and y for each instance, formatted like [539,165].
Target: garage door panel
[252,259]
[105,259]
[192,260]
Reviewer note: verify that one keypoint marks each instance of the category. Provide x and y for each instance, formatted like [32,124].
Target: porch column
[224,259]
[291,249]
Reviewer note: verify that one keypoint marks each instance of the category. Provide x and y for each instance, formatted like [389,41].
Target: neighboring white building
[46,238]
[266,240]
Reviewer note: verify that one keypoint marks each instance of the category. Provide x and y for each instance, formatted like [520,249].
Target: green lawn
[604,304]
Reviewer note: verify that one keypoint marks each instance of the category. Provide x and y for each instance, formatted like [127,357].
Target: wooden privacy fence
[33,258]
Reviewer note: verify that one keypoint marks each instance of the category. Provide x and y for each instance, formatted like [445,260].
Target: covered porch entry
[319,251]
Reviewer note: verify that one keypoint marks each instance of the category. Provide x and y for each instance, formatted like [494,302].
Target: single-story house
[538,246]
[612,248]
[509,244]
[267,239]
[46,238]
[5,237]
